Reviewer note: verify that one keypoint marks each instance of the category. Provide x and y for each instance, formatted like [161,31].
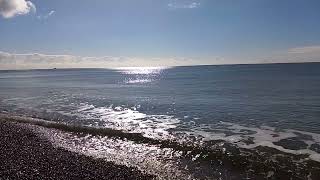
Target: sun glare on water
[141,75]
[141,70]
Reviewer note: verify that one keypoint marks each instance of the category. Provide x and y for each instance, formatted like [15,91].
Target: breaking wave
[130,120]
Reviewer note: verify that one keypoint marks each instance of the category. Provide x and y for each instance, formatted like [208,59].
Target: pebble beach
[24,155]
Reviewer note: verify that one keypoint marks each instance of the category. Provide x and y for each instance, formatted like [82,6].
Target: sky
[116,33]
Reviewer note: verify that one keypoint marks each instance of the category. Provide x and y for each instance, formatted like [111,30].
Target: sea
[195,122]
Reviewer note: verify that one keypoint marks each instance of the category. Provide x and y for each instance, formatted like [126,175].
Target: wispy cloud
[304,50]
[50,13]
[40,61]
[183,5]
[290,55]
[11,8]
[46,16]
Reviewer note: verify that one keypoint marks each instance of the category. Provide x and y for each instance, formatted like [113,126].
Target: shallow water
[205,122]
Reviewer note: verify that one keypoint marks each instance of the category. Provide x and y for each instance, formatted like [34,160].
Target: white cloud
[11,8]
[43,61]
[183,5]
[46,16]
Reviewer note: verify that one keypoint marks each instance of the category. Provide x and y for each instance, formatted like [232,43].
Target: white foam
[263,136]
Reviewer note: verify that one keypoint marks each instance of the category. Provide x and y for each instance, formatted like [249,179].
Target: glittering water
[203,122]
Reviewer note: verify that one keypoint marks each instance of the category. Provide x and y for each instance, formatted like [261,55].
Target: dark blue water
[265,104]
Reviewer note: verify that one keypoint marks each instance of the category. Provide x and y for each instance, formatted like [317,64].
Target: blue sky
[159,32]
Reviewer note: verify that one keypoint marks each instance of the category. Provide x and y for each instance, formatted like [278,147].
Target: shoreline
[27,154]
[24,155]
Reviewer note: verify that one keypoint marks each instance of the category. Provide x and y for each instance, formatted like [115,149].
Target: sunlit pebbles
[148,158]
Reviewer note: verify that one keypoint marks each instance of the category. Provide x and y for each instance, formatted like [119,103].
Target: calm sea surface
[202,122]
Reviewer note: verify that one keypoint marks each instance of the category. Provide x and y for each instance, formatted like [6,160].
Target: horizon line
[113,68]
